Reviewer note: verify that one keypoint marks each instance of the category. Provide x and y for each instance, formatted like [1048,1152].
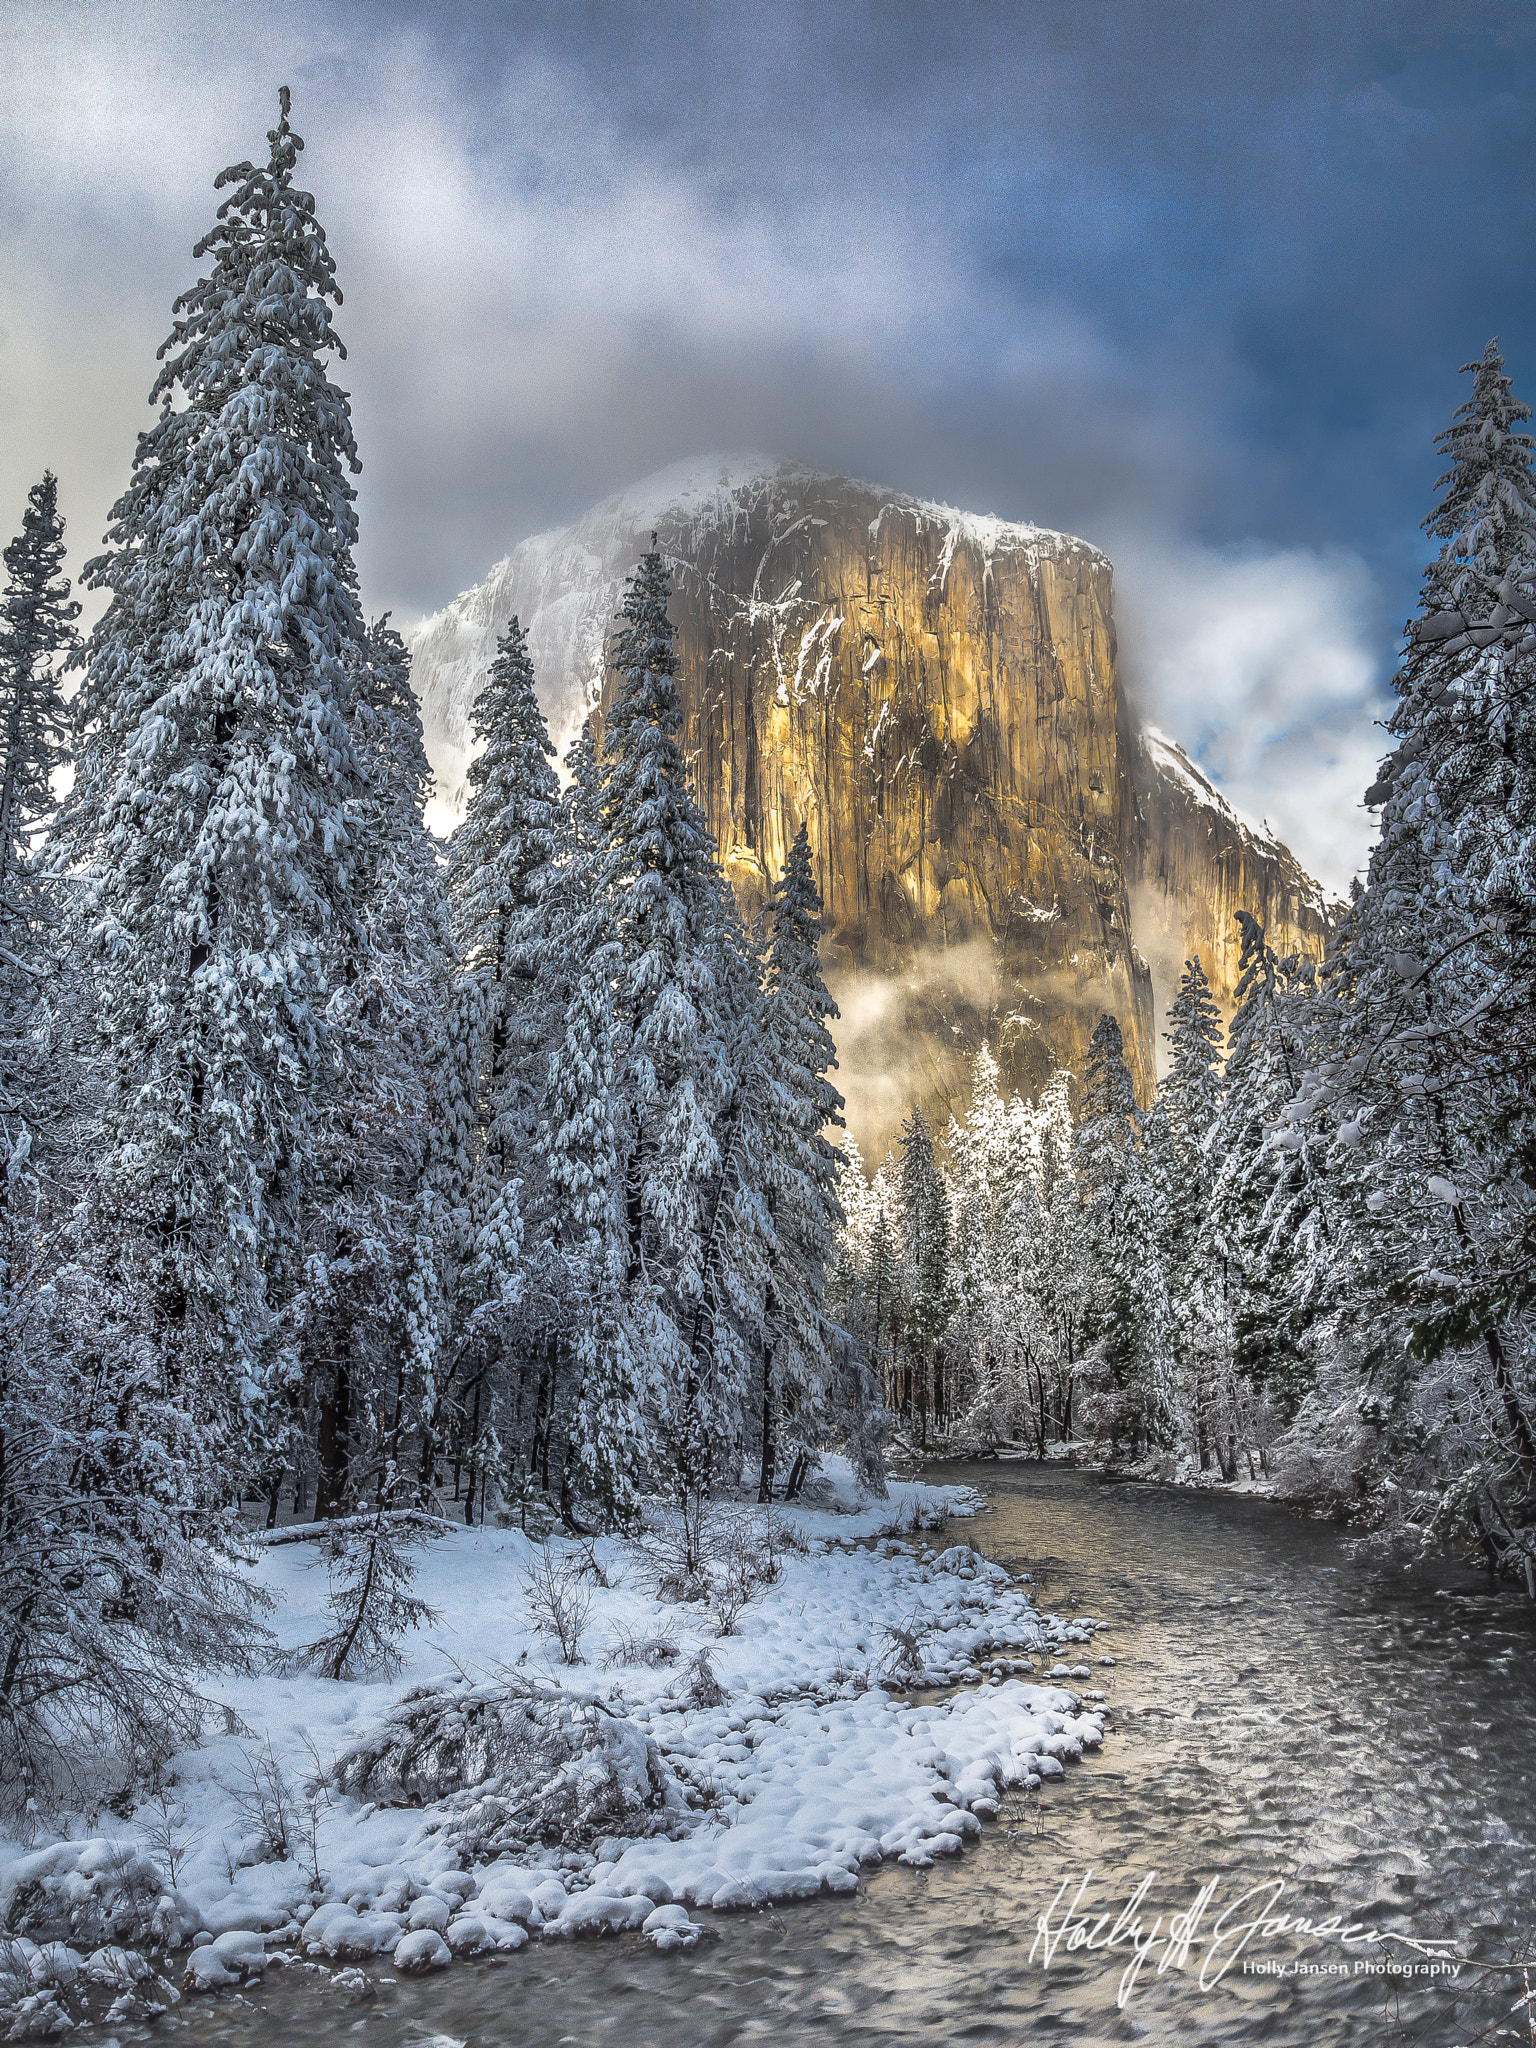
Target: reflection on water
[1279,1711]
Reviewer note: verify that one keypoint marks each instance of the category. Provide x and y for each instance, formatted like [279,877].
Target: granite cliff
[1001,848]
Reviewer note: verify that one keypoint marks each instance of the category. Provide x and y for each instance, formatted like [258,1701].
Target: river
[1281,1710]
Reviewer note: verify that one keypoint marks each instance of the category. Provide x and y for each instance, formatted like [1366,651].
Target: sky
[1193,280]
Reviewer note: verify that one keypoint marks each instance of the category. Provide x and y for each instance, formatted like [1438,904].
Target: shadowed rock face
[935,694]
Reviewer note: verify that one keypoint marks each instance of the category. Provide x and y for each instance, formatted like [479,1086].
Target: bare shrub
[264,1801]
[592,1567]
[167,1836]
[784,1534]
[902,1661]
[739,1566]
[924,1508]
[677,1560]
[703,1688]
[315,1798]
[631,1646]
[559,1598]
[722,1555]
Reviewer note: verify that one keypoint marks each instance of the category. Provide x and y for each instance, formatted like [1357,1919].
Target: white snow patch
[813,1766]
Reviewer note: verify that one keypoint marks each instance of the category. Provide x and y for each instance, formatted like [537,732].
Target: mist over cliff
[1003,851]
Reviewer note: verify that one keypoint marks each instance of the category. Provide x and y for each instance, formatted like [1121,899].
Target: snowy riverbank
[492,1793]
[1088,1456]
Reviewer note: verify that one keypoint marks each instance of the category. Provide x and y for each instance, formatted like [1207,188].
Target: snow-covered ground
[1161,1467]
[491,1793]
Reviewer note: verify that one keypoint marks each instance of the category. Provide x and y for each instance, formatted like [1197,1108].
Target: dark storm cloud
[1193,280]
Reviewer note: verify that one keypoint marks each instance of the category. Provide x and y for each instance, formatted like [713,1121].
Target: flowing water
[1280,1711]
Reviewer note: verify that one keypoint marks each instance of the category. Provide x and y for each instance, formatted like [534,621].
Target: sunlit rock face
[934,693]
[1191,863]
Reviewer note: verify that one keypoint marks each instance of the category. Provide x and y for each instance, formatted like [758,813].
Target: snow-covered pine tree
[1267,1232]
[117,1590]
[676,1077]
[1462,812]
[501,864]
[1424,1082]
[1180,1154]
[925,1230]
[798,1170]
[582,802]
[1054,1276]
[1481,593]
[1191,1089]
[37,631]
[513,1303]
[1128,1307]
[210,821]
[864,1280]
[369,1595]
[576,1162]
[369,1317]
[884,1299]
[347,1242]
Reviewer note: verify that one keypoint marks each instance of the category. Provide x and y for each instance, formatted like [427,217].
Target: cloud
[1270,667]
[1143,281]
[543,299]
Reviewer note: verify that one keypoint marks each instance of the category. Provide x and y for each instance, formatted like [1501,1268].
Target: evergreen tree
[677,1126]
[1180,1151]
[1481,592]
[369,1318]
[501,866]
[1267,1227]
[1423,1081]
[36,629]
[926,1227]
[797,1167]
[211,819]
[1053,1272]
[1128,1319]
[1192,1089]
[502,877]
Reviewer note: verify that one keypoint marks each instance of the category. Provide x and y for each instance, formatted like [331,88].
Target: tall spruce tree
[368,1316]
[1267,1215]
[212,818]
[1423,1081]
[501,866]
[797,1168]
[1181,1154]
[1128,1319]
[501,875]
[37,630]
[926,1228]
[675,1078]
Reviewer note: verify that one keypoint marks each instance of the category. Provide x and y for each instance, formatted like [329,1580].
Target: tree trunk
[474,1463]
[332,1443]
[765,1482]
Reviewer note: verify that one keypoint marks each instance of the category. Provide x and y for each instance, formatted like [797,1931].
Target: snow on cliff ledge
[565,586]
[1175,766]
